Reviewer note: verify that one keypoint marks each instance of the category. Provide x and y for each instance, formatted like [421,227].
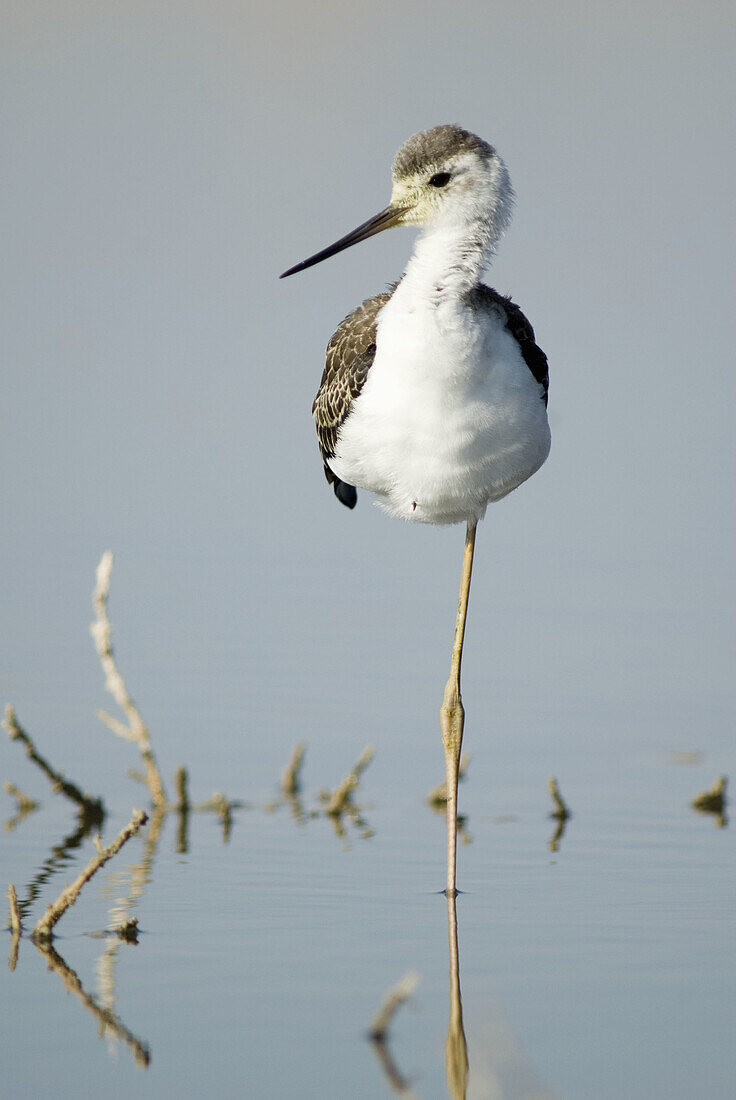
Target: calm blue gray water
[163,166]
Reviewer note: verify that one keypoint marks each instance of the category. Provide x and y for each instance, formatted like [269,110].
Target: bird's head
[443,176]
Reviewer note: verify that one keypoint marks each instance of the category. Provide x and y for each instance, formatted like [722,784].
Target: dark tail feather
[346,494]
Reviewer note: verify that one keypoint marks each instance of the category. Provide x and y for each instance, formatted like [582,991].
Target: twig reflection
[109,1023]
[561,814]
[15,927]
[60,858]
[24,805]
[398,1084]
[378,1033]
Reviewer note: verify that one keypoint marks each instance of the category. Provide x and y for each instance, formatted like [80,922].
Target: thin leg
[452,714]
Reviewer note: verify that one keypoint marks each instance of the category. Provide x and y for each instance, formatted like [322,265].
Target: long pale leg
[452,714]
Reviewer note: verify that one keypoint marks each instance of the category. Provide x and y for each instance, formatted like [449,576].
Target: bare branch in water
[181,779]
[223,807]
[560,812]
[135,730]
[89,805]
[713,801]
[340,797]
[44,929]
[291,775]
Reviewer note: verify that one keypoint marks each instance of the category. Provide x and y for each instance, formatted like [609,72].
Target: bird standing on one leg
[434,394]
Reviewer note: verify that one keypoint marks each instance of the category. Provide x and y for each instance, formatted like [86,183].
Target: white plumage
[450,416]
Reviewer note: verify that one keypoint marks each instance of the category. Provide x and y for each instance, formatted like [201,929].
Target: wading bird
[434,394]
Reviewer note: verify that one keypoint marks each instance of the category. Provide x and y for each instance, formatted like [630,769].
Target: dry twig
[16,732]
[340,797]
[291,775]
[561,812]
[44,929]
[713,800]
[136,729]
[181,779]
[223,807]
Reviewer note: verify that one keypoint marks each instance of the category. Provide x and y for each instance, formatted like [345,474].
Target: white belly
[450,416]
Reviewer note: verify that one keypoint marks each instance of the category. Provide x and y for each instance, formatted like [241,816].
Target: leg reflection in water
[456,1048]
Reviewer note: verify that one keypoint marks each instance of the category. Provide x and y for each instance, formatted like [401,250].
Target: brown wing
[522,331]
[349,357]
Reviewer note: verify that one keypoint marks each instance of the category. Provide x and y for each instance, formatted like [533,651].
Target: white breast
[450,416]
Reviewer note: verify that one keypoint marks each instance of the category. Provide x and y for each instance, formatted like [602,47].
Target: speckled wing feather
[349,357]
[522,331]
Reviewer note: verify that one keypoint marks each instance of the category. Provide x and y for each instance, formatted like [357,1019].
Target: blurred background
[163,163]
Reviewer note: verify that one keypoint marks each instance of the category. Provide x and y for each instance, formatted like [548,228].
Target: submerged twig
[391,1003]
[181,779]
[339,799]
[560,812]
[44,928]
[182,807]
[90,806]
[291,775]
[713,800]
[128,930]
[223,807]
[136,729]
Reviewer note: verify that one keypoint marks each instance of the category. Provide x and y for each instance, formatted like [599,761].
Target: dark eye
[440,179]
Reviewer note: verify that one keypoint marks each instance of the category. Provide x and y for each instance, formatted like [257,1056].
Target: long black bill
[388,217]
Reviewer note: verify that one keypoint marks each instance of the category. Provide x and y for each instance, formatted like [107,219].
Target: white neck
[448,260]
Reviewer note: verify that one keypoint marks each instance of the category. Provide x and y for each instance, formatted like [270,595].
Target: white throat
[449,260]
